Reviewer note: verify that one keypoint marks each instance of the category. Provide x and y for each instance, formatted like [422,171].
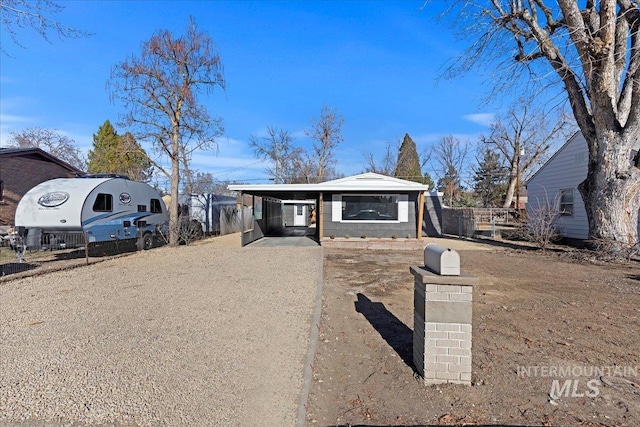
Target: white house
[556,183]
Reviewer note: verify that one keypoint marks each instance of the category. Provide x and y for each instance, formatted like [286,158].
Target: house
[368,204]
[556,184]
[21,169]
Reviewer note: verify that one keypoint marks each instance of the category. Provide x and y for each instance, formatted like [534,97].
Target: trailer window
[142,208]
[156,207]
[103,203]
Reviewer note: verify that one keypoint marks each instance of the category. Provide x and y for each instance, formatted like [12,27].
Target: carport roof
[366,182]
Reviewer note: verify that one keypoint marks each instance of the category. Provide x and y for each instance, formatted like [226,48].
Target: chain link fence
[39,252]
[468,222]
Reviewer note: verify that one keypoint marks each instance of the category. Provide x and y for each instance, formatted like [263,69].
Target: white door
[299,213]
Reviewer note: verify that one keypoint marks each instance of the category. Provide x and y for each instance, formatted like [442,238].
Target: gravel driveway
[199,335]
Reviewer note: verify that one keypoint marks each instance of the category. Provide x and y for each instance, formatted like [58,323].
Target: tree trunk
[174,230]
[611,193]
[511,189]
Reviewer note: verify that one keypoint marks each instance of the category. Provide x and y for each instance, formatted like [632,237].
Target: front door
[299,214]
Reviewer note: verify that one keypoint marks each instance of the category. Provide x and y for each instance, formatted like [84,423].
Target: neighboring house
[556,184]
[368,204]
[21,169]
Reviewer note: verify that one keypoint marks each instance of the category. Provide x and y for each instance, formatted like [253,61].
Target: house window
[566,202]
[103,203]
[156,206]
[370,207]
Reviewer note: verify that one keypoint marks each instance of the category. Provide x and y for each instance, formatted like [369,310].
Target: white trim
[336,208]
[403,209]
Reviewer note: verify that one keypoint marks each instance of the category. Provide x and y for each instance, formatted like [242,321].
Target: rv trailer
[104,208]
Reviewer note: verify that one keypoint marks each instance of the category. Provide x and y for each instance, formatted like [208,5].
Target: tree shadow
[398,335]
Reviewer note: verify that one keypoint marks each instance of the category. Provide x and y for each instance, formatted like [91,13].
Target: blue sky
[376,62]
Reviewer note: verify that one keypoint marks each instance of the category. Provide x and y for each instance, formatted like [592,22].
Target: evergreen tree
[489,180]
[117,154]
[427,180]
[408,164]
[105,146]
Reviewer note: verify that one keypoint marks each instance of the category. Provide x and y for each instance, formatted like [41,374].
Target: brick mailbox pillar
[442,318]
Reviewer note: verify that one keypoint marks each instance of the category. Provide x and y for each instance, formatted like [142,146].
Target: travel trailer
[104,208]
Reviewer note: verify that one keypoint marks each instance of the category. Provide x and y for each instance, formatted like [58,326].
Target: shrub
[541,226]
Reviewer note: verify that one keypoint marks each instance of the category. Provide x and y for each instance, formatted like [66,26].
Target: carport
[267,214]
[365,205]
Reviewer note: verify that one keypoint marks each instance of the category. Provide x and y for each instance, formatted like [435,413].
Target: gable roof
[367,182]
[20,152]
[578,134]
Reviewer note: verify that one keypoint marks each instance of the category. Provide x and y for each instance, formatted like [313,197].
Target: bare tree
[51,141]
[278,147]
[160,92]
[37,15]
[326,131]
[450,156]
[523,138]
[387,164]
[593,49]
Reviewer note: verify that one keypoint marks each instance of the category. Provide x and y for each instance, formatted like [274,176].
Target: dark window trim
[108,202]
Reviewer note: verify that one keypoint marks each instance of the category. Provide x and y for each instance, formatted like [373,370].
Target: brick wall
[20,174]
[442,327]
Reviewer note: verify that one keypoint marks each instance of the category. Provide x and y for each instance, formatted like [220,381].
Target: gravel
[199,335]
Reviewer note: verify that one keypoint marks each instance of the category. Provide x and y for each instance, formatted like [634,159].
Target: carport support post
[242,213]
[320,217]
[442,326]
[420,215]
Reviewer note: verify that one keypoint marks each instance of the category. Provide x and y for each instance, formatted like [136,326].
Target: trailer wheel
[145,242]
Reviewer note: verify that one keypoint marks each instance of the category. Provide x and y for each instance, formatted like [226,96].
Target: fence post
[86,247]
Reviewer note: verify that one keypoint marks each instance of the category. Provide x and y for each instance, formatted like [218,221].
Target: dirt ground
[533,312]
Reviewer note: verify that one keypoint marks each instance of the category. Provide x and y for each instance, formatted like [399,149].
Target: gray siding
[565,170]
[378,229]
[288,214]
[432,220]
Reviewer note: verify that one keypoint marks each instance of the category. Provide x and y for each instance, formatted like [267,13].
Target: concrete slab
[300,241]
